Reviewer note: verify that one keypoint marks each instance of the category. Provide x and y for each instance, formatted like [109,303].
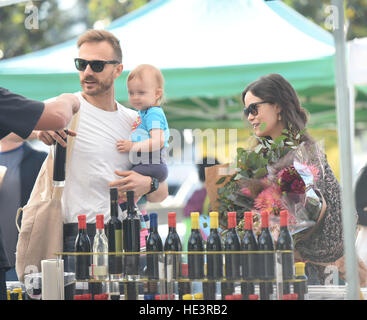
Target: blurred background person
[23,163]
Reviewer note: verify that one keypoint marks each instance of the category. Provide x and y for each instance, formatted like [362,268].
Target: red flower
[298,186]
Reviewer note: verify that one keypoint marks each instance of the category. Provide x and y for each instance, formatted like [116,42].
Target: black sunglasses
[96,65]
[252,108]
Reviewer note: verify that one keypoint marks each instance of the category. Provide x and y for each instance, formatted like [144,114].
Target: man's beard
[99,87]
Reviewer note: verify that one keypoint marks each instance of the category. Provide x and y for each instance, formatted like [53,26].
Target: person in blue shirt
[150,132]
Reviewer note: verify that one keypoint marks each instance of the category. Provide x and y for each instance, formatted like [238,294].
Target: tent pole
[345,149]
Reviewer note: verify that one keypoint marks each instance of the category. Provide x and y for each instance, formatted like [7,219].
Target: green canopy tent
[208,50]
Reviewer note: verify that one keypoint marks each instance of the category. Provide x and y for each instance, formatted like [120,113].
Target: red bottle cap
[78,297]
[287,297]
[283,218]
[100,221]
[82,221]
[232,220]
[253,297]
[229,297]
[264,219]
[185,269]
[248,220]
[172,219]
[294,296]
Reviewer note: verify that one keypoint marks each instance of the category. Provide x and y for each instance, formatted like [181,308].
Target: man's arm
[140,184]
[58,113]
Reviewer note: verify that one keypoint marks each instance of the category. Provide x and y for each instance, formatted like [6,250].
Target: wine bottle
[172,261]
[249,260]
[131,236]
[59,164]
[154,244]
[232,243]
[195,243]
[300,283]
[114,236]
[100,260]
[82,244]
[214,262]
[173,243]
[285,243]
[266,258]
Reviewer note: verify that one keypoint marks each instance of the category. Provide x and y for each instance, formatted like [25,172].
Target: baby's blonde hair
[141,70]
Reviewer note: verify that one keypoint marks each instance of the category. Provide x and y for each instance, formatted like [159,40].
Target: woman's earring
[279,117]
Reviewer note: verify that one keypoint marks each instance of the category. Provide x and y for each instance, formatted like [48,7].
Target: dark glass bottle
[232,243]
[195,243]
[114,235]
[82,244]
[173,243]
[59,165]
[131,236]
[300,284]
[154,244]
[232,260]
[285,243]
[249,260]
[266,258]
[214,262]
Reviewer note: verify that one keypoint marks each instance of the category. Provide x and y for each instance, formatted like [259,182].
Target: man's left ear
[118,70]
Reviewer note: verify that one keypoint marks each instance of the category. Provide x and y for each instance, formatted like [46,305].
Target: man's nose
[88,70]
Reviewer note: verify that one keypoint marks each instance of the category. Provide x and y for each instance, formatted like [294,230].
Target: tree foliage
[57,24]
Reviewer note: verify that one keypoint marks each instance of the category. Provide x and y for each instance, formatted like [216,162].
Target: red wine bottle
[249,260]
[114,236]
[285,242]
[214,262]
[232,243]
[195,243]
[131,236]
[154,244]
[266,259]
[82,244]
[173,243]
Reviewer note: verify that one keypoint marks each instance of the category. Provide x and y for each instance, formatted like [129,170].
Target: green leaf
[221,180]
[260,173]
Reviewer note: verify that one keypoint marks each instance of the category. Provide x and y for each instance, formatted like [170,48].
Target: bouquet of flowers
[277,175]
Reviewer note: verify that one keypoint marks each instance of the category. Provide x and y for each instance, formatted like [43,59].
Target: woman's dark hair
[277,90]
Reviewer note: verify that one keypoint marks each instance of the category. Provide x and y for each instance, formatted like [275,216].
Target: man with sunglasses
[95,163]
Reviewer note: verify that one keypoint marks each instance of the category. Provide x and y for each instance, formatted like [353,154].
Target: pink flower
[269,199]
[246,192]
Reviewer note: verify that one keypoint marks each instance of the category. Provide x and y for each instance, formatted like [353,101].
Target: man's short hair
[94,35]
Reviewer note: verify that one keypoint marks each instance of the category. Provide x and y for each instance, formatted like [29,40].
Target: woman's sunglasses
[253,109]
[96,65]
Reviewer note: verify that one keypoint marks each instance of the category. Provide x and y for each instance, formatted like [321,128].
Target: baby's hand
[124,145]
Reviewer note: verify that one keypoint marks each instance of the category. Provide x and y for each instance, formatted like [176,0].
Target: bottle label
[118,240]
[98,270]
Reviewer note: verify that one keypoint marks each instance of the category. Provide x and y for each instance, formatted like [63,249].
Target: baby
[150,133]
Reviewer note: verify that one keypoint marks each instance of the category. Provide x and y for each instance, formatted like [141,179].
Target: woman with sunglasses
[272,105]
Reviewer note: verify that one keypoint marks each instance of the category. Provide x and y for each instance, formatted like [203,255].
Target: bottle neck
[264,220]
[231,220]
[114,208]
[248,221]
